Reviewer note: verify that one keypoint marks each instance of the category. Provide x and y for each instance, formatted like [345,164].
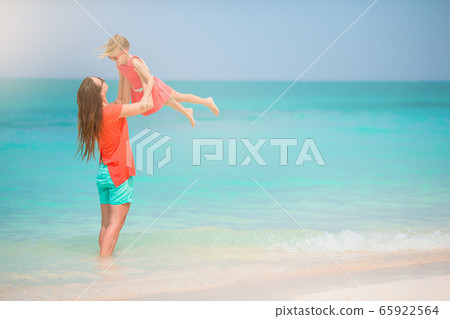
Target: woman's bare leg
[118,213]
[180,108]
[191,98]
[105,221]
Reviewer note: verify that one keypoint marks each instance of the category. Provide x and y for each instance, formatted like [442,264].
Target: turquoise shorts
[109,194]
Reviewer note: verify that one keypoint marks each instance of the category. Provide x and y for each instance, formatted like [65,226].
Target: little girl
[135,78]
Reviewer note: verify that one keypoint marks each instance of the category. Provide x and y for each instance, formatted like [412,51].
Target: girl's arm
[146,79]
[133,109]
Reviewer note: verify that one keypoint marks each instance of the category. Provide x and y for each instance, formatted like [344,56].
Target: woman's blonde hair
[114,43]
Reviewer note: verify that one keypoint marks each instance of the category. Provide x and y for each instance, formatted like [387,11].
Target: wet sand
[375,276]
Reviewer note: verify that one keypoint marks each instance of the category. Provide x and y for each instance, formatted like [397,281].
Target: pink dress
[160,92]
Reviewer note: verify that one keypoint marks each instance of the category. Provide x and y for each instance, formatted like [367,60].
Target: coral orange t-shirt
[114,145]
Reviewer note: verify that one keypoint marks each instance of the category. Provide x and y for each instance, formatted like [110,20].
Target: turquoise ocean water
[385,186]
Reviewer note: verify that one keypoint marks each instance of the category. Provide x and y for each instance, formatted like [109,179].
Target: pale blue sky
[230,40]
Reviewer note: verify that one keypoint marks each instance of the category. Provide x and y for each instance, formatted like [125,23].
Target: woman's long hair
[90,115]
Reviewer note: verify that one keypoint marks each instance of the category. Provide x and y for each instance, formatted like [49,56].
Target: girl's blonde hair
[114,43]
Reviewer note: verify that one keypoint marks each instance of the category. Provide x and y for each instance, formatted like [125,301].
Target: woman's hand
[117,101]
[146,103]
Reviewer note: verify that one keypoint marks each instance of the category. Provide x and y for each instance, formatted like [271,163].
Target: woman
[106,125]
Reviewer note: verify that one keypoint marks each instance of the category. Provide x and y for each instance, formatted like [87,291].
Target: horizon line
[216,80]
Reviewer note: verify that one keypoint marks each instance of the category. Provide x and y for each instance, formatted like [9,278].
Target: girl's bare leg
[180,108]
[191,98]
[105,222]
[118,213]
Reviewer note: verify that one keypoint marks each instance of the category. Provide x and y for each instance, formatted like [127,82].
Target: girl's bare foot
[212,106]
[190,116]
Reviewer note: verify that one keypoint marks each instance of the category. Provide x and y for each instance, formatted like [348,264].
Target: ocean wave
[297,240]
[202,239]
[353,241]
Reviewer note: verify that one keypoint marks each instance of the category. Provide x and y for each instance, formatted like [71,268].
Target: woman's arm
[120,90]
[146,79]
[133,109]
[126,91]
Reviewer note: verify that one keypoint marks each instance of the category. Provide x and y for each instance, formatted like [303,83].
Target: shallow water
[385,186]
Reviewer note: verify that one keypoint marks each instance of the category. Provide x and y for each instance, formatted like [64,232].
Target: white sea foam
[296,240]
[353,241]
